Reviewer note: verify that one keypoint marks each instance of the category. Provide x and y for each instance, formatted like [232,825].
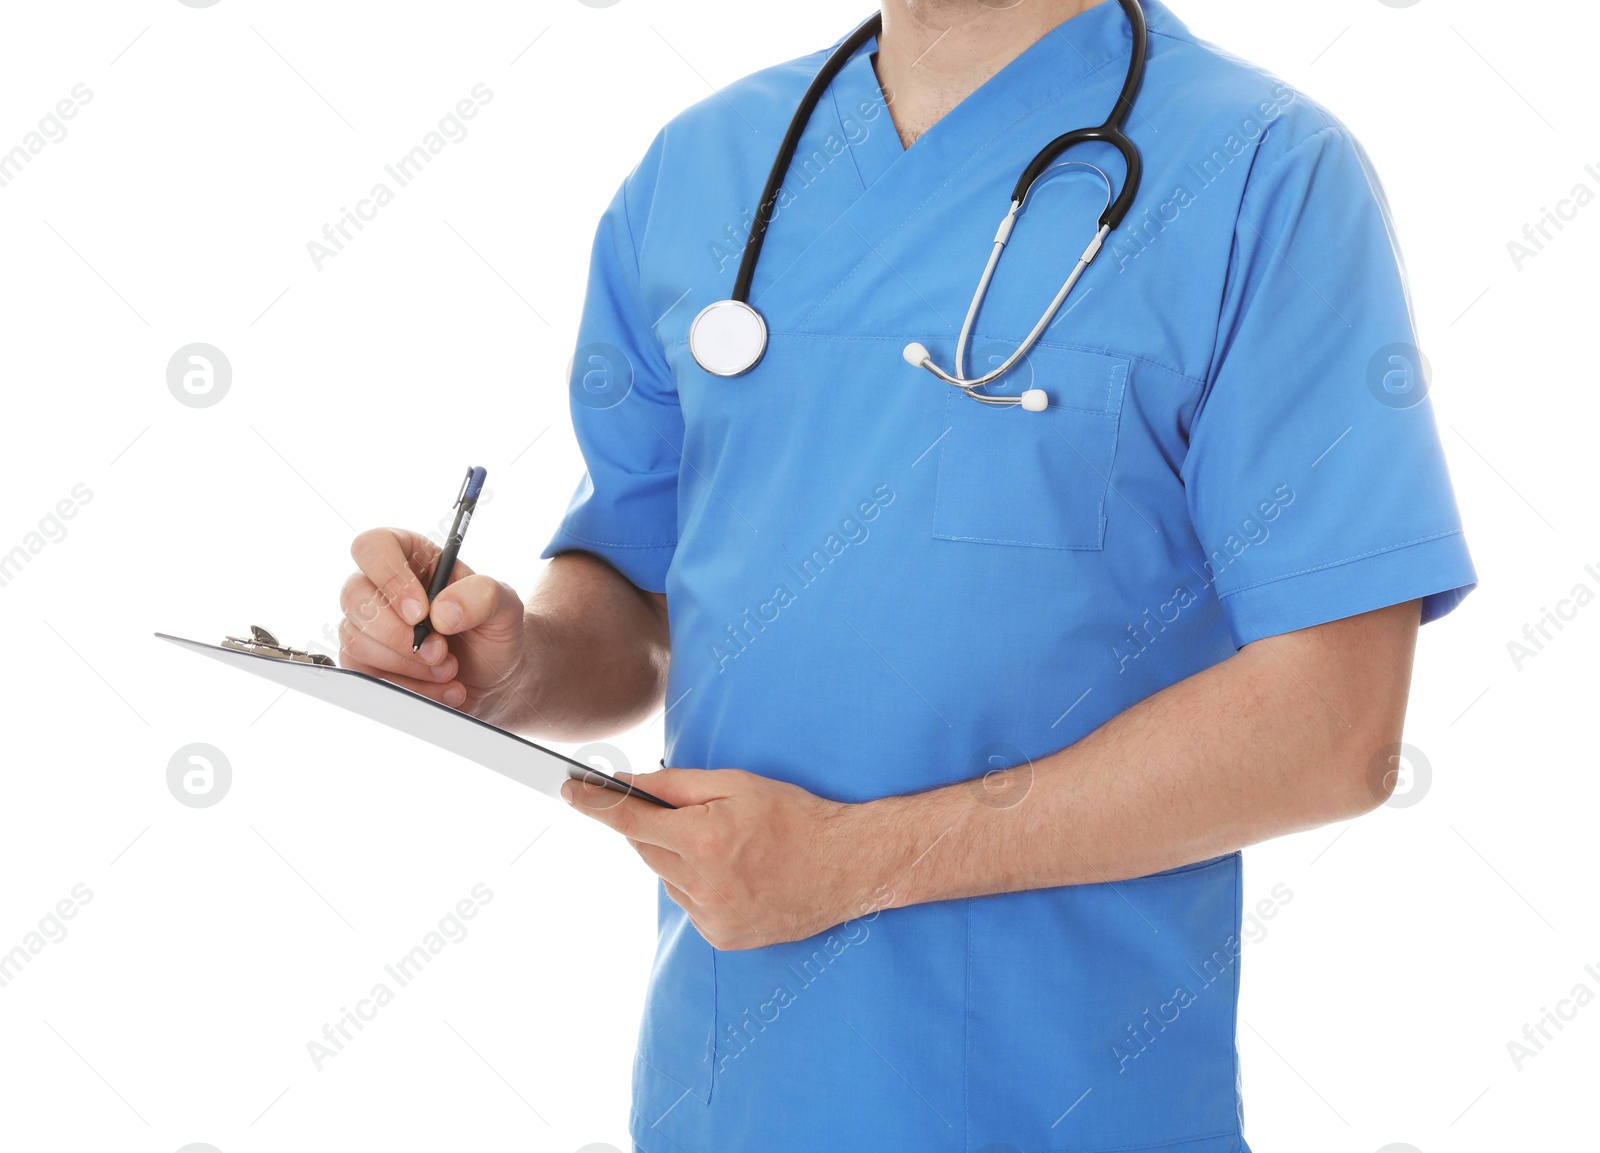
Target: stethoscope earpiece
[1032,400]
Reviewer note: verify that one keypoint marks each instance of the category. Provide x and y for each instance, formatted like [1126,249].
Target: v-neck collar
[864,118]
[967,144]
[1080,63]
[1060,60]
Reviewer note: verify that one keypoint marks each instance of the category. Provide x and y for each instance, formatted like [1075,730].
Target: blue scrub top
[878,586]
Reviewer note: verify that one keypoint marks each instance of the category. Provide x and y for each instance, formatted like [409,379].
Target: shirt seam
[1143,1145]
[635,246]
[1244,215]
[1336,563]
[635,1115]
[566,532]
[838,113]
[1061,345]
[1284,156]
[634,283]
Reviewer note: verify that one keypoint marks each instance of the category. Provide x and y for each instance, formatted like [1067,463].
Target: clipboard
[411,713]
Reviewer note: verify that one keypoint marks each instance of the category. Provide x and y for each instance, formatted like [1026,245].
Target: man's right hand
[478,634]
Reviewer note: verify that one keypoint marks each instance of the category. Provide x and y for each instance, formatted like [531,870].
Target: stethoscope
[729,337]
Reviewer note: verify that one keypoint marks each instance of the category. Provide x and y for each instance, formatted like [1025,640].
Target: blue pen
[466,501]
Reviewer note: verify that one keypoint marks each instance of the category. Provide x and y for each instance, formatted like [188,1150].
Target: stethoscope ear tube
[1110,132]
[870,27]
[1118,208]
[728,337]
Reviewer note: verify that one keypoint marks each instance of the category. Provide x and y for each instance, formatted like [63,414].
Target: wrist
[511,702]
[890,841]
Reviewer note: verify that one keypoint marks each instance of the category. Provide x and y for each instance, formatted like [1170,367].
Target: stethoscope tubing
[751,329]
[866,30]
[1022,350]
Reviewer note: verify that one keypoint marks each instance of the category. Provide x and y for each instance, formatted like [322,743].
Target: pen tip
[416,648]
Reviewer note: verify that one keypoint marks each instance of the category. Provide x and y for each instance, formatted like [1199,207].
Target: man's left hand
[753,861]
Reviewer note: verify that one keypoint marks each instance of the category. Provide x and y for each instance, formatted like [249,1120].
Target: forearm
[1278,738]
[594,659]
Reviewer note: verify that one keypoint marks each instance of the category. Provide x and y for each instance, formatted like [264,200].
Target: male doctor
[970,709]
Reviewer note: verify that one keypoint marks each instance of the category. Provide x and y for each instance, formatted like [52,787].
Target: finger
[452,693]
[664,863]
[367,650]
[397,561]
[363,604]
[365,608]
[678,895]
[468,601]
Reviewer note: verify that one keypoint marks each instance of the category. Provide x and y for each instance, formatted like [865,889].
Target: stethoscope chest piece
[727,338]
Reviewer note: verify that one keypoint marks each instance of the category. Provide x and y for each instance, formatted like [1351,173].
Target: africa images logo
[600,376]
[198,375]
[1399,375]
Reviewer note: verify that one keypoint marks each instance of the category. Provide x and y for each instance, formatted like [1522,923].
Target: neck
[933,54]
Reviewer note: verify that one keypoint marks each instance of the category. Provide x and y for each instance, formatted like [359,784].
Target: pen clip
[471,484]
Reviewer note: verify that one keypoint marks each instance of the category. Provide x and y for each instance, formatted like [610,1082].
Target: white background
[218,941]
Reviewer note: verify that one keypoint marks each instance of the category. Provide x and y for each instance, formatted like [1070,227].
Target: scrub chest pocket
[1034,479]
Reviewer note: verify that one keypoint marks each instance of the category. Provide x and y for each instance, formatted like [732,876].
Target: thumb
[471,601]
[686,786]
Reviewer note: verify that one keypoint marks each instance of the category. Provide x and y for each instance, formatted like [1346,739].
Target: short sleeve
[624,405]
[1315,477]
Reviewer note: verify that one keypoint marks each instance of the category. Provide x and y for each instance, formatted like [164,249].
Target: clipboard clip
[263,644]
